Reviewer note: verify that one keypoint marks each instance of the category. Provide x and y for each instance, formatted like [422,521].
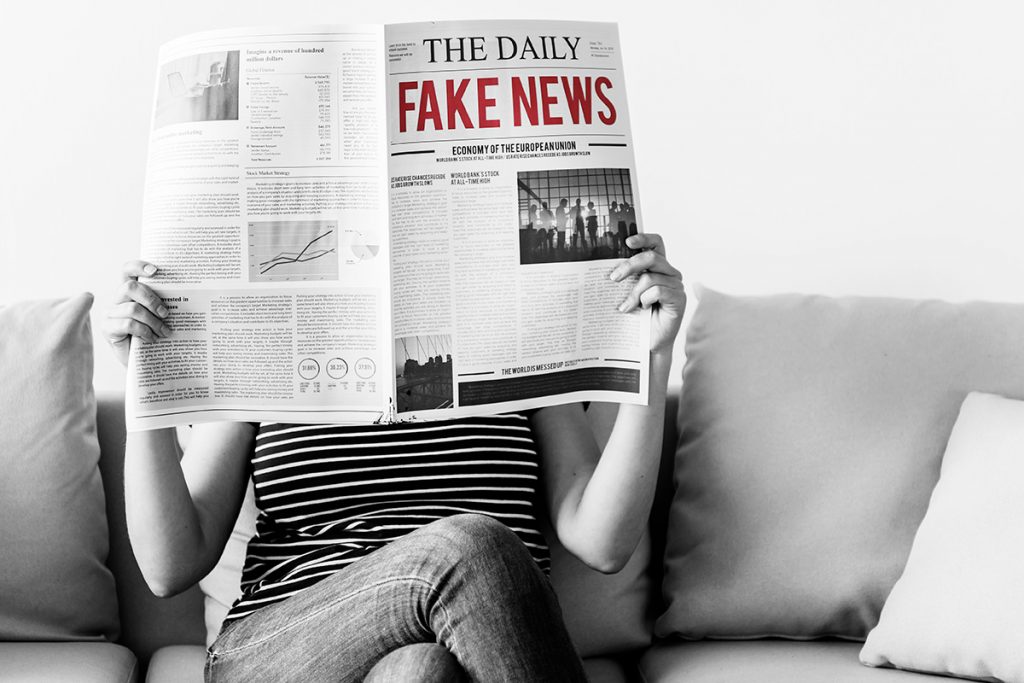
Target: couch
[799,459]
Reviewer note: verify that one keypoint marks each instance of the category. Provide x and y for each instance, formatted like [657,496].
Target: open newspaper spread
[370,224]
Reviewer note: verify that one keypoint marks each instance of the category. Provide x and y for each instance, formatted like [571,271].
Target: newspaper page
[266,212]
[512,190]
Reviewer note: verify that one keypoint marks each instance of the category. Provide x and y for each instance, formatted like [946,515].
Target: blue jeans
[466,582]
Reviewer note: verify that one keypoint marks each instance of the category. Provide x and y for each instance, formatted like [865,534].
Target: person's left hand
[659,287]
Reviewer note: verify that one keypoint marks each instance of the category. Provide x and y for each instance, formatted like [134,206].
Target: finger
[120,330]
[645,261]
[647,240]
[669,298]
[138,268]
[669,288]
[133,290]
[136,311]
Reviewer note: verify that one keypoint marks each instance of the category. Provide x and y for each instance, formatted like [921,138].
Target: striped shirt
[328,494]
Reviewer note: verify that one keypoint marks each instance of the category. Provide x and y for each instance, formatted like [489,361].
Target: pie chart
[359,246]
[363,252]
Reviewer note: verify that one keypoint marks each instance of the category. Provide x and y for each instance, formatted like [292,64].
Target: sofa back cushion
[811,433]
[54,583]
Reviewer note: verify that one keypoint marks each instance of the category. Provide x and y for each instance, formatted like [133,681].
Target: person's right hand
[136,311]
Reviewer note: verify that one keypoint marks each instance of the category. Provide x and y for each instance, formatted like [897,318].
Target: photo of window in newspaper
[202,87]
[423,372]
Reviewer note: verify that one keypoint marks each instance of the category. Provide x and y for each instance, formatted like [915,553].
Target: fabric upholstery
[177,664]
[94,662]
[184,664]
[811,433]
[54,583]
[765,661]
[958,608]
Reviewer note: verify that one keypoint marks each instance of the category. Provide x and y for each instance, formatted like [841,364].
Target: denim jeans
[466,582]
[422,662]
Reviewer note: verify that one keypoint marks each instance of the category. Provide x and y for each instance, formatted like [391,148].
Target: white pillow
[958,609]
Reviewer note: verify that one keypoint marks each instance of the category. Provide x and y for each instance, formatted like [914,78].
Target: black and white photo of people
[575,215]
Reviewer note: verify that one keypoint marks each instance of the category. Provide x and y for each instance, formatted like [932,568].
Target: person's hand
[659,287]
[136,311]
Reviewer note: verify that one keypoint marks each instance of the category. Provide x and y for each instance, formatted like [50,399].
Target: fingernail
[615,275]
[623,307]
[150,269]
[161,311]
[165,331]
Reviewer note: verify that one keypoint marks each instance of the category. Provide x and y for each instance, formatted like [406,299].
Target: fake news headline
[534,100]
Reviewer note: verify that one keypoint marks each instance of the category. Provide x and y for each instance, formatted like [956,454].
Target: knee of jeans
[473,535]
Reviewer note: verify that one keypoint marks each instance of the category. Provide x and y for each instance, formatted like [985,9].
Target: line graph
[301,257]
[293,250]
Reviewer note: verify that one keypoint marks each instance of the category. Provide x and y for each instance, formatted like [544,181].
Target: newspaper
[361,224]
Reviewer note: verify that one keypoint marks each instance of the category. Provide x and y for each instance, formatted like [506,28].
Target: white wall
[858,147]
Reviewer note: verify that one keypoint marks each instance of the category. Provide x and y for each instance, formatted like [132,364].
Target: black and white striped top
[328,495]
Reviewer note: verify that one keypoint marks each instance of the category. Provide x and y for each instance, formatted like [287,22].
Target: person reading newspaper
[451,585]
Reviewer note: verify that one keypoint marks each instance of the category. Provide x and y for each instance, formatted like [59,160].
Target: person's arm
[600,501]
[180,510]
[180,514]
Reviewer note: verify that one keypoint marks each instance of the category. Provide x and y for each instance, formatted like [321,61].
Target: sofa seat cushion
[28,662]
[184,664]
[764,661]
[177,664]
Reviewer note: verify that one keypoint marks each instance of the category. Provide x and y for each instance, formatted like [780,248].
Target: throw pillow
[957,609]
[54,583]
[811,432]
